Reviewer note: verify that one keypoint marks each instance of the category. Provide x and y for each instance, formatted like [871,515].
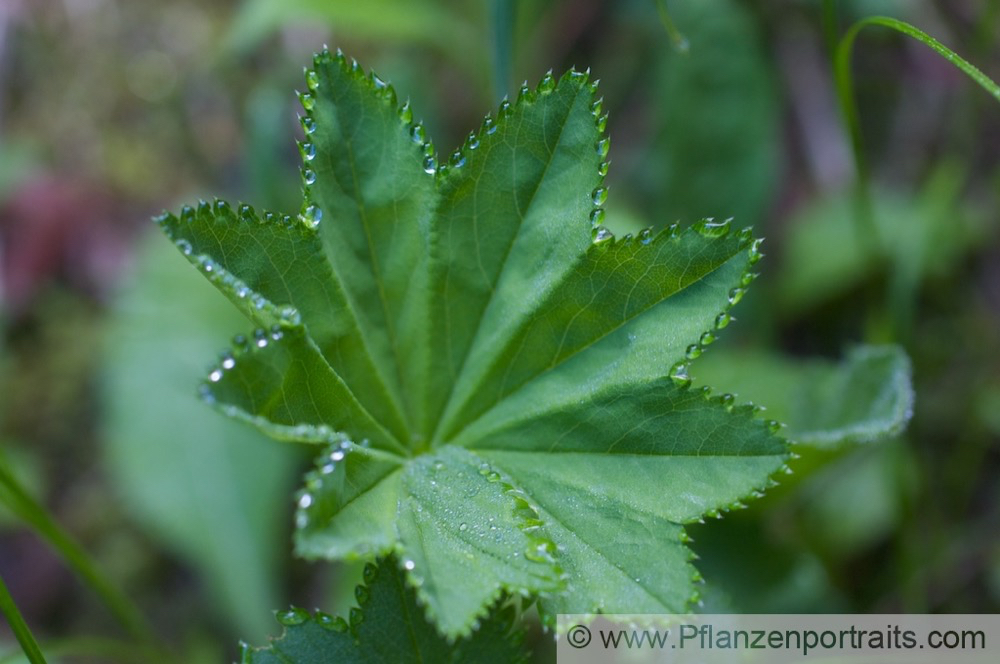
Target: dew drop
[602,235]
[408,565]
[361,594]
[305,501]
[602,168]
[187,214]
[599,195]
[228,361]
[504,109]
[462,527]
[332,623]
[378,82]
[370,573]
[747,278]
[457,159]
[706,338]
[406,113]
[293,616]
[524,93]
[308,176]
[595,108]
[418,134]
[712,229]
[240,342]
[755,254]
[489,126]
[222,207]
[735,295]
[472,142]
[312,79]
[215,376]
[679,374]
[722,320]
[276,332]
[774,426]
[184,246]
[312,215]
[603,146]
[430,165]
[548,83]
[597,216]
[493,476]
[693,352]
[308,151]
[602,123]
[307,100]
[357,617]
[646,236]
[260,338]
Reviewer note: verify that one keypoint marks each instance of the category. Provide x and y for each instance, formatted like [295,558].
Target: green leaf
[208,489]
[388,626]
[519,418]
[865,397]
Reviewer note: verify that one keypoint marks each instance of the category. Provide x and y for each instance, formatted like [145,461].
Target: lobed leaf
[388,626]
[547,443]
[865,397]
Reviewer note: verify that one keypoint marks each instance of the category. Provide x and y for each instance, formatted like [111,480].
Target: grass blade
[19,627]
[35,515]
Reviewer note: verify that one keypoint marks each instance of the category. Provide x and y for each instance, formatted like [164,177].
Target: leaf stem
[20,502]
[19,627]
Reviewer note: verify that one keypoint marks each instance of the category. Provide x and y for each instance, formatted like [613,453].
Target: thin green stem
[845,84]
[37,517]
[19,627]
[865,227]
[680,42]
[503,17]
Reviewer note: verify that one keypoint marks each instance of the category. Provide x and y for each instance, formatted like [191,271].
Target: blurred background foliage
[111,110]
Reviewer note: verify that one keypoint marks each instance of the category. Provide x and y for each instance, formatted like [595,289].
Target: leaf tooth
[603,146]
[574,74]
[292,616]
[307,149]
[406,114]
[330,622]
[504,110]
[306,100]
[524,94]
[245,652]
[547,84]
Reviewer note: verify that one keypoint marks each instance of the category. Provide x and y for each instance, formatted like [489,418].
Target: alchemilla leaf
[500,387]
[387,627]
